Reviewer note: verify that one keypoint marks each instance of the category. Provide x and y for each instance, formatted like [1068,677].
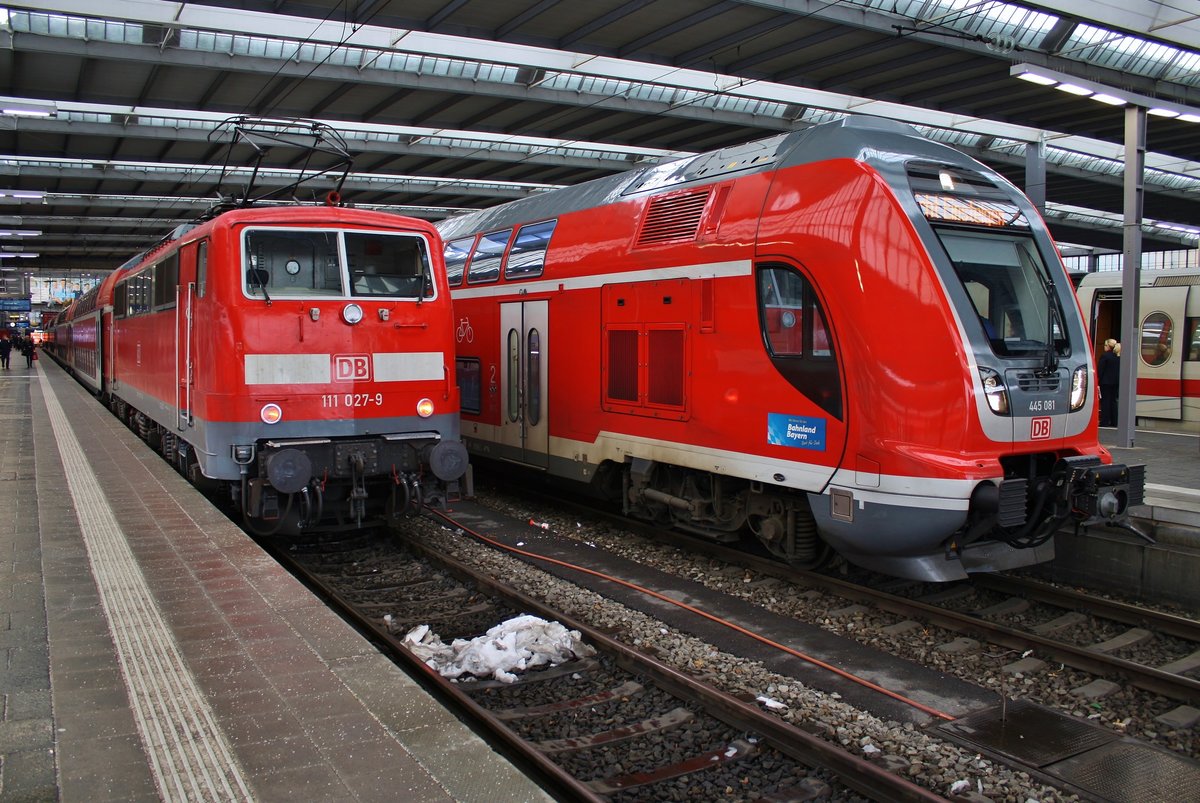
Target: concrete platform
[153,651]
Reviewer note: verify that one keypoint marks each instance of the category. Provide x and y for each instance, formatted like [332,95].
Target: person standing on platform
[5,352]
[1108,374]
[27,350]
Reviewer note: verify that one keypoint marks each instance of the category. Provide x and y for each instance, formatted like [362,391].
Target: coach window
[527,256]
[514,374]
[797,337]
[390,265]
[455,255]
[201,267]
[533,390]
[1193,339]
[485,262]
[470,386]
[1156,338]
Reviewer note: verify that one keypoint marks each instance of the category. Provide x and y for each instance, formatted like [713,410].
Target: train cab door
[1161,352]
[523,381]
[184,324]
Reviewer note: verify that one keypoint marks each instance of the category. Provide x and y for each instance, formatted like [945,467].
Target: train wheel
[790,533]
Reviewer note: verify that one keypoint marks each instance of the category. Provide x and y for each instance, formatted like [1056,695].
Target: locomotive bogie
[834,337]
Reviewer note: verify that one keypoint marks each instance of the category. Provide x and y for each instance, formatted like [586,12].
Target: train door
[1161,352]
[1105,318]
[523,381]
[184,319]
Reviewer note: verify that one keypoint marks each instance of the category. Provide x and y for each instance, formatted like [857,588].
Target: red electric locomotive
[300,355]
[849,337]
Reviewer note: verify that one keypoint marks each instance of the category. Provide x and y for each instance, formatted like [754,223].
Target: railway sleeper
[736,750]
[674,718]
[626,689]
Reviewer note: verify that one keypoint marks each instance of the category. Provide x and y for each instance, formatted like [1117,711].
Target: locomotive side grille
[623,365]
[673,217]
[1030,382]
[666,367]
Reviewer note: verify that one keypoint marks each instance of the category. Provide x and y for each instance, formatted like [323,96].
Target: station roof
[110,114]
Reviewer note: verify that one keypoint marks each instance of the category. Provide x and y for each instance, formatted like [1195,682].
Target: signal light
[425,408]
[271,413]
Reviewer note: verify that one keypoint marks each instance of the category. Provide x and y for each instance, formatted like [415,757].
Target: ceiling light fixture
[1113,96]
[18,107]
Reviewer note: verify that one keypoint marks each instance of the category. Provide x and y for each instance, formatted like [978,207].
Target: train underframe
[1039,495]
[293,486]
[722,508]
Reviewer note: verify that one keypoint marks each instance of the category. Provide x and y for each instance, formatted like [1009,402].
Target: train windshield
[1010,289]
[318,263]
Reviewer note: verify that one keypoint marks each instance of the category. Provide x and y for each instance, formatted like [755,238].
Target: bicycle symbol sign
[464,331]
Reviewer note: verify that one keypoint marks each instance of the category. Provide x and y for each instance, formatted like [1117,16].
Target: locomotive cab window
[1008,286]
[301,262]
[797,337]
[316,263]
[388,265]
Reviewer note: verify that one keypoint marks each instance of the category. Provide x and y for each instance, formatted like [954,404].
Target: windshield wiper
[258,280]
[1050,366]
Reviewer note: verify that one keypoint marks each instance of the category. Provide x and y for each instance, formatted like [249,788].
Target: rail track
[618,725]
[1149,649]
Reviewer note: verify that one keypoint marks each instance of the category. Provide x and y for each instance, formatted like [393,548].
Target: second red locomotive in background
[298,355]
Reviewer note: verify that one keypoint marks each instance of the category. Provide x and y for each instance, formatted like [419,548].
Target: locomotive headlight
[1079,383]
[425,408]
[271,413]
[993,388]
[352,314]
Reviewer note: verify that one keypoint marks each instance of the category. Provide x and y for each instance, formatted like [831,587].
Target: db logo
[351,368]
[1039,428]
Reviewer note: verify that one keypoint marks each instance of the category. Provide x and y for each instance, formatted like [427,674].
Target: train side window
[390,265]
[141,293]
[489,252]
[533,380]
[121,300]
[513,381]
[455,256]
[470,385]
[527,256]
[1156,338]
[201,268]
[166,280]
[797,336]
[1192,327]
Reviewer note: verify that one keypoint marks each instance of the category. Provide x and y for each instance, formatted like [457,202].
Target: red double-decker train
[847,339]
[299,356]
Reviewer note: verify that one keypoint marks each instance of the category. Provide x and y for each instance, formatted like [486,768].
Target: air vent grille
[673,217]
